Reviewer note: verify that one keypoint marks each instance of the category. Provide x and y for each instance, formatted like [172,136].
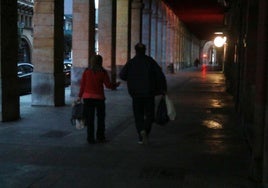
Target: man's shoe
[140,142]
[144,137]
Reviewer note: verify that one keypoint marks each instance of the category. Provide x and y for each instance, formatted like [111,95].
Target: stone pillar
[164,39]
[122,32]
[176,47]
[169,38]
[173,39]
[180,47]
[107,35]
[48,77]
[261,103]
[146,25]
[9,93]
[136,24]
[154,28]
[83,41]
[159,44]
[105,31]
[248,65]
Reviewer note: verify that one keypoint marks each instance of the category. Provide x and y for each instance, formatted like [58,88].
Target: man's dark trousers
[144,110]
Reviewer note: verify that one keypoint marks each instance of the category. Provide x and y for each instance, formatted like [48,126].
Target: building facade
[68,32]
[25,30]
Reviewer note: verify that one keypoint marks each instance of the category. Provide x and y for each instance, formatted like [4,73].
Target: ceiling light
[219,41]
[218,33]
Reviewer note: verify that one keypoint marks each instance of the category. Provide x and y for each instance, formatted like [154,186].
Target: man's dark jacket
[144,77]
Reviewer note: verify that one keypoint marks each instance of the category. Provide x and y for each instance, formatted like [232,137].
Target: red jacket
[91,85]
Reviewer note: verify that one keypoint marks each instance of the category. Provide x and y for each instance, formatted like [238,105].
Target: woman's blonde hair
[96,63]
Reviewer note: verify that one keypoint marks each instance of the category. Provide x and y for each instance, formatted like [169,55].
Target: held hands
[116,85]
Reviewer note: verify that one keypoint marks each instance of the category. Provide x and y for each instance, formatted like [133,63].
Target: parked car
[67,71]
[25,71]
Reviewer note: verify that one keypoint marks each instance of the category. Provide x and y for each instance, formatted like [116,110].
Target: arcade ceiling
[201,17]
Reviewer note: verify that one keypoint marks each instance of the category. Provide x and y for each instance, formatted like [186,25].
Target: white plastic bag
[79,124]
[170,108]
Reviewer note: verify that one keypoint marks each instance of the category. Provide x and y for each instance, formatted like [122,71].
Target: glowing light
[218,33]
[216,103]
[219,41]
[204,71]
[211,124]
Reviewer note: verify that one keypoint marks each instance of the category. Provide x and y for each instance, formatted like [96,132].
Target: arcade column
[83,41]
[146,25]
[107,35]
[122,32]
[48,77]
[136,24]
[9,93]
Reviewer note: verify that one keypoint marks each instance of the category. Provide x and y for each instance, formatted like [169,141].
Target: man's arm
[160,78]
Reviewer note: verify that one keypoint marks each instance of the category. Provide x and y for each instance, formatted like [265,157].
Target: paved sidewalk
[203,148]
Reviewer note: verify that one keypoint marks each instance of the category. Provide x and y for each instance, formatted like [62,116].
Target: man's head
[140,48]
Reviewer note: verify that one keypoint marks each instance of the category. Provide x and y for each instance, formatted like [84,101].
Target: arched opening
[24,51]
[212,56]
[208,53]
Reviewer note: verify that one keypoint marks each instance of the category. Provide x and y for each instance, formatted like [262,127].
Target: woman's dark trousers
[90,106]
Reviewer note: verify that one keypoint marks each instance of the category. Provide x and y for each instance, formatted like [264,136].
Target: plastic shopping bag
[161,116]
[77,118]
[170,108]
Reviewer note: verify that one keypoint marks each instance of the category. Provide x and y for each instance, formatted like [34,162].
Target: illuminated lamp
[219,41]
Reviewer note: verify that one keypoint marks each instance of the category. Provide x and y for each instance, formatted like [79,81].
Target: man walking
[145,80]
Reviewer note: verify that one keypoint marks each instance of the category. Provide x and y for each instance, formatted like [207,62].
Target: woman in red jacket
[92,93]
